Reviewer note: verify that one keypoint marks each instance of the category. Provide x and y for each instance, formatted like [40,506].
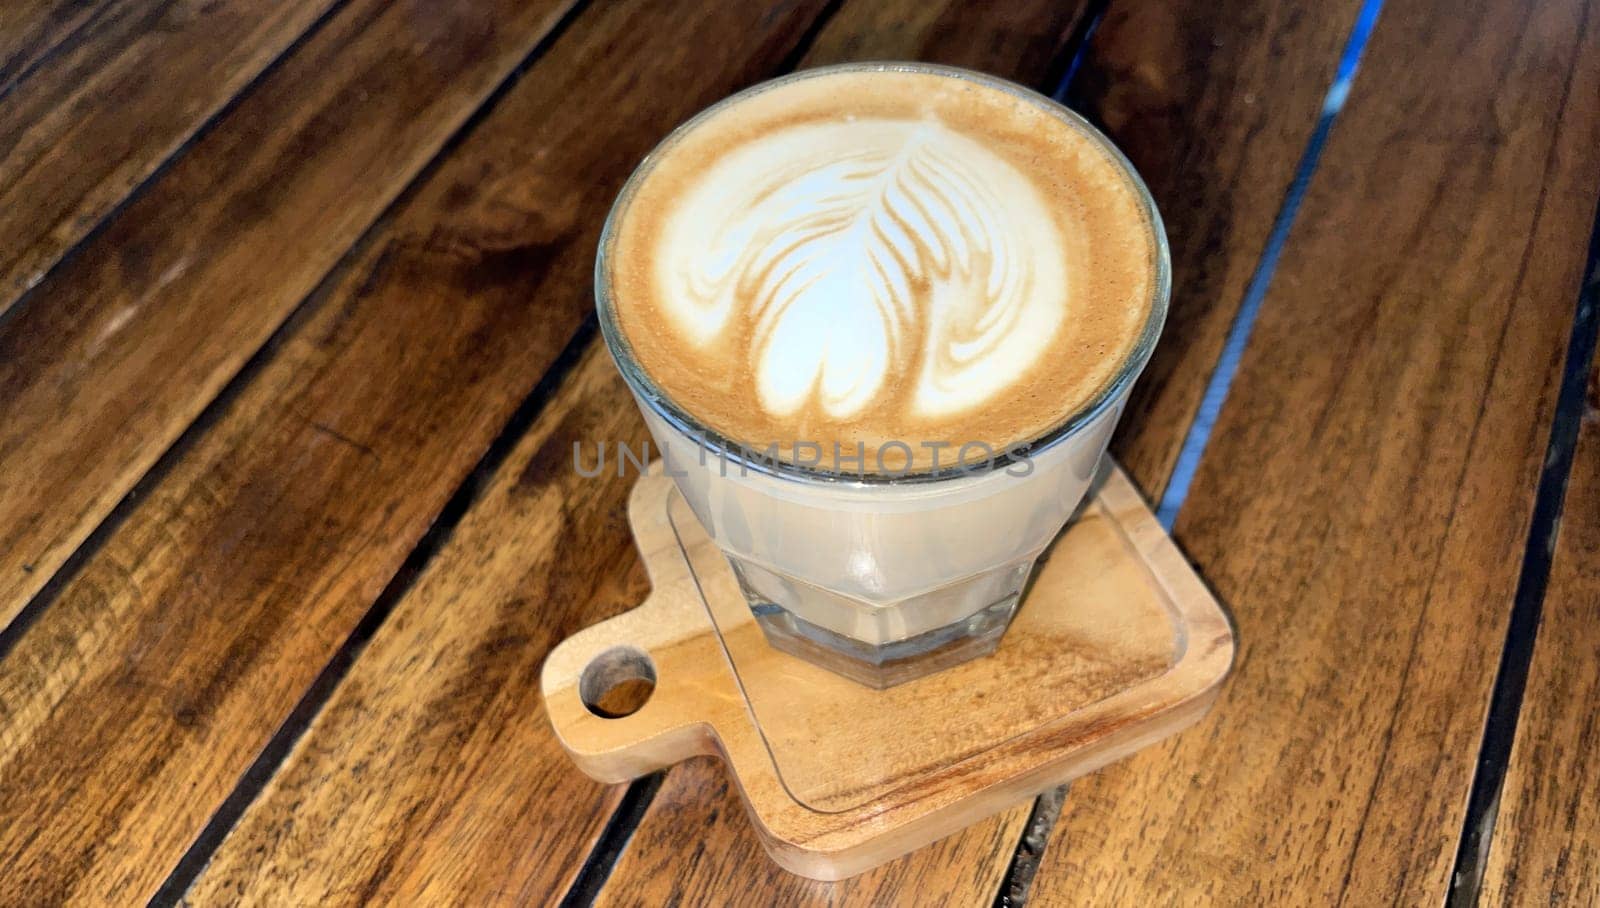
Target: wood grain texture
[1364,501]
[119,349]
[1546,845]
[965,869]
[32,30]
[100,110]
[841,778]
[1023,41]
[1213,103]
[142,692]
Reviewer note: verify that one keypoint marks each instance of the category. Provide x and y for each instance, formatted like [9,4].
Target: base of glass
[885,665]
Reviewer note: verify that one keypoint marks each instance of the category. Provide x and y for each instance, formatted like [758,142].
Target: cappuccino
[860,257]
[888,267]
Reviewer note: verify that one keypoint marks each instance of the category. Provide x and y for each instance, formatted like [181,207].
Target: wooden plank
[1364,501]
[100,111]
[118,350]
[1546,844]
[1214,104]
[132,704]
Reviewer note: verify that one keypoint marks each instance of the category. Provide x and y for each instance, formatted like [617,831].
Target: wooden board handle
[668,641]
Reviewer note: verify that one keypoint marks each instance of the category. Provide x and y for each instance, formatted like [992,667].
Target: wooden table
[297,338]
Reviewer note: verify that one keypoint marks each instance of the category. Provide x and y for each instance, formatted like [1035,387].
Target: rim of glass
[714,442]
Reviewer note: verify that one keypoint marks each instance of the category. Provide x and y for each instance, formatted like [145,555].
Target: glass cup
[884,577]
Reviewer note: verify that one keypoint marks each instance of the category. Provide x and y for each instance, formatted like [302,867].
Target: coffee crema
[857,257]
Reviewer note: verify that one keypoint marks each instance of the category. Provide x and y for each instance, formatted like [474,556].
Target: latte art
[879,249]
[858,256]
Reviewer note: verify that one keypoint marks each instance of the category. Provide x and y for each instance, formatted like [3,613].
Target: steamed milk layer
[862,257]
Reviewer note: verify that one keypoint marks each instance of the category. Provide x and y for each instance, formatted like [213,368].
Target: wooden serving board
[1117,645]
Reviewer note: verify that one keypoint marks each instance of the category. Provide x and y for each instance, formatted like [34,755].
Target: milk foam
[858,256]
[873,248]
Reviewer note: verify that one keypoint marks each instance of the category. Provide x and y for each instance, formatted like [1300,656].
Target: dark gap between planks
[616,835]
[266,764]
[11,304]
[1059,79]
[65,43]
[1047,810]
[1527,605]
[1221,381]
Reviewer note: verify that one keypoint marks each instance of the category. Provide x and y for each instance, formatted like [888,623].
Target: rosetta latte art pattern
[877,260]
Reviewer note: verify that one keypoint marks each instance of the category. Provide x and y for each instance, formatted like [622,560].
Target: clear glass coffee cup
[885,575]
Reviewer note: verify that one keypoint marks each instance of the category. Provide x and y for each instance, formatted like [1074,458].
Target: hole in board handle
[617,683]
